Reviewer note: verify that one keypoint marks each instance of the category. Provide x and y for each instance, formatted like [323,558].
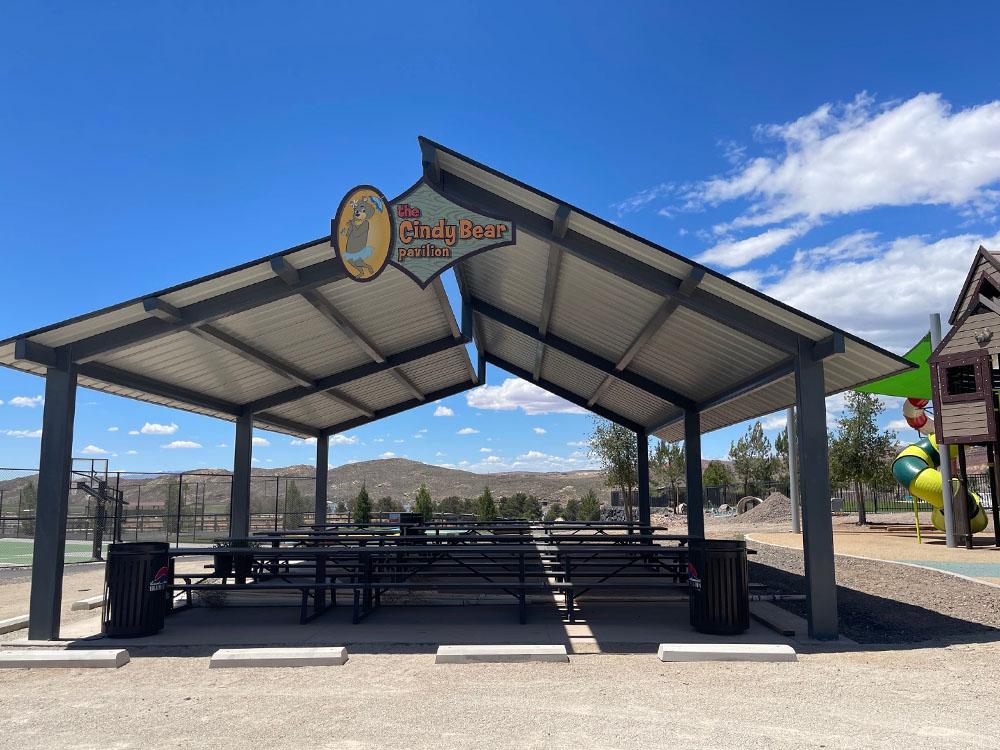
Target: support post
[991,452]
[239,511]
[817,537]
[947,504]
[793,471]
[692,474]
[322,470]
[54,478]
[642,441]
[963,524]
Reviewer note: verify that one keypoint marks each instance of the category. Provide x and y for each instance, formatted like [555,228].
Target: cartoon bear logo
[362,232]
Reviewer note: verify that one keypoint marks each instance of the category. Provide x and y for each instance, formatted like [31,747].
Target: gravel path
[845,700]
[881,602]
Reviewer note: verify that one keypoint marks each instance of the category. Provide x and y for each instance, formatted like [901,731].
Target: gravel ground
[881,602]
[845,700]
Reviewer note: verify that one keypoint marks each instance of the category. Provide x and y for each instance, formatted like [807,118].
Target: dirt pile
[775,509]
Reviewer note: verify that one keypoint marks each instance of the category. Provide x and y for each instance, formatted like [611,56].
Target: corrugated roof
[611,300]
[264,341]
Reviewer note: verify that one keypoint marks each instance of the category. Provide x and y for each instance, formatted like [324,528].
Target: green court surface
[18,551]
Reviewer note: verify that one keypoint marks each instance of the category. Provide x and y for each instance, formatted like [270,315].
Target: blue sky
[845,159]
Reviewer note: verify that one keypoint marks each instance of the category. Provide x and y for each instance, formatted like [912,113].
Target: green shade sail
[909,384]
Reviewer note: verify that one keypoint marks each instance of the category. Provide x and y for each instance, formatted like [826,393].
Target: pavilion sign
[421,232]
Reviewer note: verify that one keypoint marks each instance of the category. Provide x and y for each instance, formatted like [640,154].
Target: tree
[572,510]
[423,503]
[752,458]
[452,504]
[521,505]
[341,508]
[27,505]
[363,507]
[666,463]
[717,474]
[387,505]
[781,448]
[486,509]
[296,507]
[617,450]
[553,512]
[590,507]
[859,452]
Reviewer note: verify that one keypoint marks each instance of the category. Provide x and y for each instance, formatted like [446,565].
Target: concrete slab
[50,659]
[725,652]
[92,603]
[329,656]
[13,623]
[780,620]
[476,654]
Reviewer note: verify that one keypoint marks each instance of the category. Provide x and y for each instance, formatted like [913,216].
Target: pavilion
[603,318]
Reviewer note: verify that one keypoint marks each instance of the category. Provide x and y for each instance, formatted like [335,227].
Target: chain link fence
[181,508]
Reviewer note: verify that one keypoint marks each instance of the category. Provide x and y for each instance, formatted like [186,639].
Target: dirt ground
[871,699]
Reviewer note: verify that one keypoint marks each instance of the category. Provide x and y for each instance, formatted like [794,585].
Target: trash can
[135,589]
[718,586]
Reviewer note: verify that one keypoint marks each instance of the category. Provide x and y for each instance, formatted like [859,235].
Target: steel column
[817,536]
[642,440]
[54,478]
[239,511]
[793,470]
[322,470]
[692,473]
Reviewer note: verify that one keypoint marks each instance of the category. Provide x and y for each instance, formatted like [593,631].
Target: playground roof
[287,337]
[593,313]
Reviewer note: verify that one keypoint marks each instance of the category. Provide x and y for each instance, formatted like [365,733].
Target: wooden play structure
[965,378]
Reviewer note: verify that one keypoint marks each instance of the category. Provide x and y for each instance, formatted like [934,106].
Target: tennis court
[18,551]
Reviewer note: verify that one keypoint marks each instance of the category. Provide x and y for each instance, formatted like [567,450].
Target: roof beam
[389,411]
[251,354]
[355,373]
[342,398]
[669,306]
[822,349]
[285,425]
[560,223]
[288,273]
[583,355]
[40,354]
[563,393]
[431,165]
[134,381]
[206,311]
[624,266]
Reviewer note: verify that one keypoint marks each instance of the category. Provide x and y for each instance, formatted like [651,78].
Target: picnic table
[368,567]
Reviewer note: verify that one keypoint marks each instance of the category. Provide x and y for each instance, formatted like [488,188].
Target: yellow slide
[916,469]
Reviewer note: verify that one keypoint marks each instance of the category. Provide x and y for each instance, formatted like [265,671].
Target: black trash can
[135,589]
[718,586]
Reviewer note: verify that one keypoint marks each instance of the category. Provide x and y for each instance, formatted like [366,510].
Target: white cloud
[579,444]
[300,441]
[222,445]
[23,433]
[485,450]
[735,253]
[341,439]
[467,431]
[443,411]
[112,429]
[538,430]
[1,402]
[131,453]
[152,428]
[641,199]
[440,454]
[881,292]
[182,444]
[898,425]
[133,432]
[845,158]
[93,450]
[387,454]
[27,402]
[515,393]
[260,442]
[418,435]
